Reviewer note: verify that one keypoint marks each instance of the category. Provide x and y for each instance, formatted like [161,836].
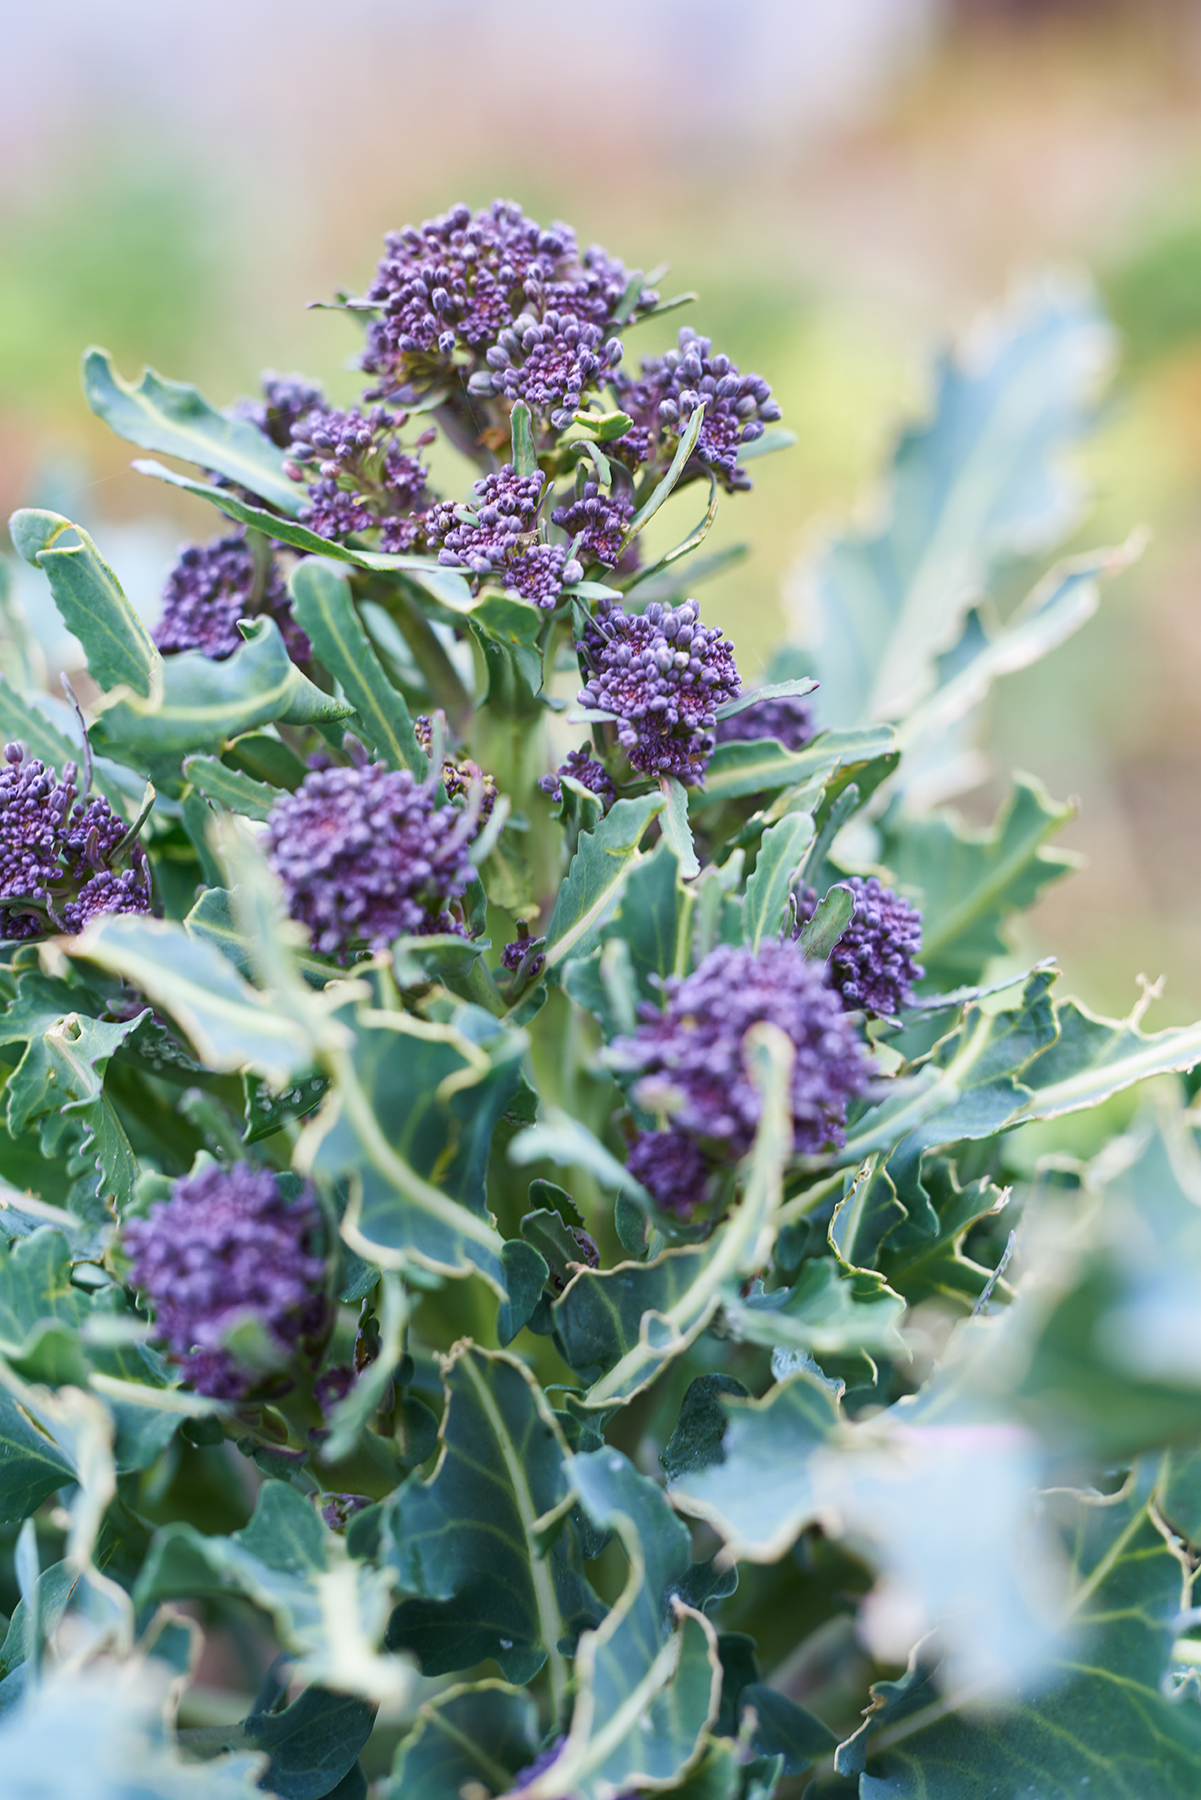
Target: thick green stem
[430,656]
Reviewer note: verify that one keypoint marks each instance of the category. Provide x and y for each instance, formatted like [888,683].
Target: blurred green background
[845,181]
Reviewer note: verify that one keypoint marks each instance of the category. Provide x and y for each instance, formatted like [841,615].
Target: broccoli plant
[517,1243]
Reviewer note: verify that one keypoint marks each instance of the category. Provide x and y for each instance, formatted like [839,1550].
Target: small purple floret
[57,851]
[286,399]
[210,588]
[873,963]
[789,721]
[547,363]
[360,476]
[690,1055]
[672,1168]
[226,1247]
[661,402]
[662,675]
[598,521]
[365,856]
[496,538]
[581,766]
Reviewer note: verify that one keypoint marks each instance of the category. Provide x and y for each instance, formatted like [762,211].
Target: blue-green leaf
[482,1733]
[175,418]
[323,607]
[120,651]
[780,853]
[595,879]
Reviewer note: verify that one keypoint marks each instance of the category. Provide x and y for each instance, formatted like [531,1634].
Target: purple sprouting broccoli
[789,721]
[214,585]
[225,1248]
[286,400]
[673,1169]
[596,523]
[455,283]
[583,767]
[365,856]
[738,408]
[360,476]
[459,776]
[549,365]
[57,852]
[497,539]
[661,675]
[689,1055]
[873,963]
[524,950]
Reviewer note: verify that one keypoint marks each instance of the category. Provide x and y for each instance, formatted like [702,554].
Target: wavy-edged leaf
[313,1744]
[764,766]
[594,882]
[470,1544]
[484,1732]
[983,477]
[409,1124]
[323,607]
[1093,1058]
[329,1610]
[1100,1725]
[206,703]
[623,1326]
[648,1678]
[970,881]
[175,418]
[119,650]
[558,1138]
[827,1311]
[231,1024]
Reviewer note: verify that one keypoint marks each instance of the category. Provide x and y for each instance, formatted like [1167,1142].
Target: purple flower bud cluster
[461,777]
[738,408]
[872,965]
[596,523]
[689,1055]
[365,856]
[673,1169]
[286,400]
[361,479]
[457,282]
[582,767]
[515,954]
[789,721]
[548,365]
[497,538]
[56,852]
[210,588]
[228,1247]
[662,675]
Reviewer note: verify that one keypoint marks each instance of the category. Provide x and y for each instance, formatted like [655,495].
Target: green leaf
[651,924]
[525,457]
[35,1285]
[830,919]
[1093,1058]
[624,1325]
[785,1729]
[777,690]
[1099,1722]
[934,1266]
[175,419]
[441,584]
[327,1609]
[765,766]
[409,1124]
[649,1679]
[757,1492]
[471,1543]
[483,1733]
[354,1412]
[766,445]
[323,607]
[231,1024]
[526,1275]
[230,788]
[558,1138]
[780,853]
[205,703]
[826,1312]
[675,826]
[970,881]
[981,479]
[313,1743]
[32,1465]
[595,879]
[119,650]
[666,487]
